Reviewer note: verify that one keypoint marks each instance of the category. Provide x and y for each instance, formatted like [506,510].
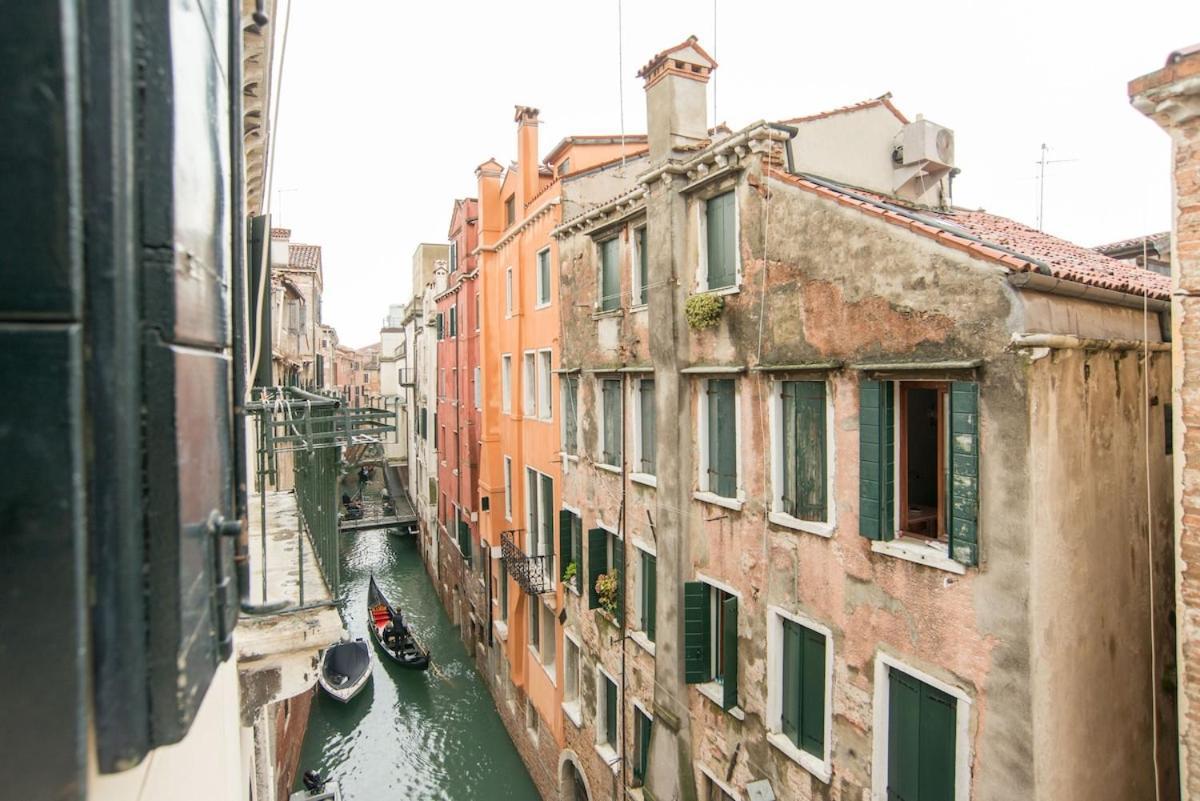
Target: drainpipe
[623,526]
[791,131]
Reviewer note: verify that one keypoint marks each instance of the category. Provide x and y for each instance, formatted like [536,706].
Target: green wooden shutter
[641,759]
[648,424]
[964,472]
[789,446]
[935,763]
[904,730]
[650,596]
[729,682]
[721,240]
[792,682]
[610,276]
[696,659]
[619,569]
[439,325]
[565,528]
[810,466]
[722,438]
[464,540]
[577,548]
[876,474]
[610,711]
[597,562]
[640,292]
[812,711]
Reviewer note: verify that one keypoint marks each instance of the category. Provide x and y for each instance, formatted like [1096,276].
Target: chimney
[491,210]
[676,105]
[527,151]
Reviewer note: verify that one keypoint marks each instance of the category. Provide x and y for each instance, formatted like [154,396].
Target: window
[548,649]
[718,459]
[921,746]
[508,292]
[606,553]
[506,383]
[641,269]
[798,690]
[570,413]
[544,371]
[453,256]
[529,384]
[439,321]
[454,321]
[510,211]
[535,624]
[539,517]
[646,434]
[610,275]
[508,488]
[543,277]
[647,593]
[710,638]
[720,228]
[607,719]
[570,544]
[478,389]
[919,469]
[503,581]
[800,459]
[610,407]
[571,674]
[641,743]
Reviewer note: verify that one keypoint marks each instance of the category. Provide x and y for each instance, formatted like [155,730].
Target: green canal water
[411,735]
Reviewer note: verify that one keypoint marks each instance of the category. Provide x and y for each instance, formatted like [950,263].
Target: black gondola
[390,632]
[345,669]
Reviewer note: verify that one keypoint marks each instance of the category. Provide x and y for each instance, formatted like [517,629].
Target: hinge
[225,591]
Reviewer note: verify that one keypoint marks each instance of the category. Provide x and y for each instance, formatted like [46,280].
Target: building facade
[829,520]
[429,278]
[297,283]
[1171,97]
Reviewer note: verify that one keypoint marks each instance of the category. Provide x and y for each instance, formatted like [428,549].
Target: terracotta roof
[281,233]
[979,233]
[1126,244]
[884,100]
[305,257]
[663,54]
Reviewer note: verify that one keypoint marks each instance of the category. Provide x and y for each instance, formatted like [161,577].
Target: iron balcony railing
[533,574]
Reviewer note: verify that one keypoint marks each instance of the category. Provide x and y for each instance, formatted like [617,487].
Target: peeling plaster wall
[1090,599]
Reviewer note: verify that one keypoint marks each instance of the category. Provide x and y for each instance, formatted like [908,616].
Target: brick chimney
[491,210]
[527,151]
[676,104]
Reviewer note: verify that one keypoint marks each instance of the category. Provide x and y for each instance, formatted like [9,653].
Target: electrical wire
[1149,520]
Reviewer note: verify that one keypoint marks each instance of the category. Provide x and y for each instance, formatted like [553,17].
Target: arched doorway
[572,784]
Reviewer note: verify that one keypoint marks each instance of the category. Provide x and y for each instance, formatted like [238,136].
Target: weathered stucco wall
[1091,518]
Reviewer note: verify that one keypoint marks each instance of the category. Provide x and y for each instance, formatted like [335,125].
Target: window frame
[702,268]
[639,293]
[453,255]
[508,292]
[529,383]
[510,211]
[638,755]
[537,519]
[569,414]
[641,635]
[639,475]
[542,282]
[821,768]
[508,488]
[572,703]
[704,492]
[610,752]
[777,515]
[601,381]
[545,384]
[713,689]
[602,300]
[506,383]
[478,387]
[880,720]
[903,387]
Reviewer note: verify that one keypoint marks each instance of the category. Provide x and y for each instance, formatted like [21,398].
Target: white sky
[388,106]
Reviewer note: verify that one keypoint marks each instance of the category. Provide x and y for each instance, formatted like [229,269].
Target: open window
[922,452]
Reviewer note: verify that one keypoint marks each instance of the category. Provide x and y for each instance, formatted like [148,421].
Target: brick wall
[291,721]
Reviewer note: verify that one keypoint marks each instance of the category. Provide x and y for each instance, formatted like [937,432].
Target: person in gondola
[313,782]
[353,508]
[364,475]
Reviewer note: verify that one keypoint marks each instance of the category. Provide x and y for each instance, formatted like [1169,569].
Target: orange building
[520,455]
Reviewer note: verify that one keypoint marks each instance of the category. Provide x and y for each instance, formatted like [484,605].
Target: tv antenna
[1042,162]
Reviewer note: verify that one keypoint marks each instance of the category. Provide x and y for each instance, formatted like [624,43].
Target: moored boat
[391,633]
[317,788]
[345,669]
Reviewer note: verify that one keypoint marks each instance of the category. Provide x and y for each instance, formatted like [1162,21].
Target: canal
[411,735]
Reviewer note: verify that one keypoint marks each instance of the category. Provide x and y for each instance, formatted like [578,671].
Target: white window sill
[574,712]
[725,290]
[644,478]
[810,526]
[545,305]
[714,692]
[608,468]
[913,550]
[570,457]
[501,629]
[639,307]
[817,767]
[718,500]
[641,639]
[603,315]
[609,755]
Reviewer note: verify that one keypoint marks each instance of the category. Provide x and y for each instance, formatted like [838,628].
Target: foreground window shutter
[696,632]
[642,756]
[729,682]
[876,474]
[904,731]
[964,472]
[935,772]
[464,540]
[597,562]
[649,433]
[812,713]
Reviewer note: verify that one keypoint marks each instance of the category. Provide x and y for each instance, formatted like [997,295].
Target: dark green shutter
[610,275]
[793,682]
[810,465]
[876,475]
[643,269]
[649,594]
[722,438]
[729,682]
[648,424]
[453,321]
[619,569]
[610,711]
[904,729]
[935,771]
[964,472]
[721,240]
[464,540]
[565,527]
[812,710]
[696,659]
[642,723]
[439,325]
[577,548]
[597,562]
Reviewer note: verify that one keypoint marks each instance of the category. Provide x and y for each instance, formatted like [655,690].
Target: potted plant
[569,572]
[606,590]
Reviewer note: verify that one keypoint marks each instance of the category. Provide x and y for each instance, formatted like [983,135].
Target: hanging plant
[606,591]
[569,572]
[704,310]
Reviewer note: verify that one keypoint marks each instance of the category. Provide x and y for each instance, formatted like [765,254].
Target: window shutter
[439,325]
[597,562]
[640,293]
[964,472]
[810,466]
[643,746]
[789,447]
[876,475]
[721,240]
[696,632]
[565,529]
[610,711]
[619,569]
[793,682]
[722,427]
[904,718]
[464,540]
[610,284]
[650,601]
[648,423]
[729,610]
[812,710]
[577,547]
[935,762]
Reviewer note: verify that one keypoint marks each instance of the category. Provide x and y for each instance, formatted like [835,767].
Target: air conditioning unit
[929,143]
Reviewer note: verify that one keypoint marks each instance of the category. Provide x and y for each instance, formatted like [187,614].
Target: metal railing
[533,574]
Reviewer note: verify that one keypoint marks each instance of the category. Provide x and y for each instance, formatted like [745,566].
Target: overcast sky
[387,106]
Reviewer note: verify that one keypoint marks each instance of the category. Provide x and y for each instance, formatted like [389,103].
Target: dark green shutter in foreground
[921,736]
[597,562]
[696,660]
[729,681]
[619,569]
[964,472]
[876,474]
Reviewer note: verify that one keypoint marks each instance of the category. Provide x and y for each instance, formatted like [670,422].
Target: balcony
[533,574]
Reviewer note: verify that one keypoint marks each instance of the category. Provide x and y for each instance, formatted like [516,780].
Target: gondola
[390,632]
[345,669]
[317,788]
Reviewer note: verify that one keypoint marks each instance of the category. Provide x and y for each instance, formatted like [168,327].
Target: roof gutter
[1074,289]
[791,131]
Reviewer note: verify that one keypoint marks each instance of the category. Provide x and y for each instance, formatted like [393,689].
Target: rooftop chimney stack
[676,104]
[527,151]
